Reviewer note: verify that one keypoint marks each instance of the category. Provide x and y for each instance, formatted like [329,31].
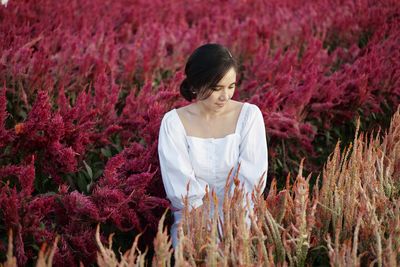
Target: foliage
[84,86]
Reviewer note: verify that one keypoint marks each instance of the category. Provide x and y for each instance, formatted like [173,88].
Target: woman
[200,143]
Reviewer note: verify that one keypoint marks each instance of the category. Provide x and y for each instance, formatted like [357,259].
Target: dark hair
[204,69]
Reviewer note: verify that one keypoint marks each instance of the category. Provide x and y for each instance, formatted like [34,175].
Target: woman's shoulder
[169,115]
[254,110]
[251,110]
[171,123]
[250,106]
[169,119]
[251,115]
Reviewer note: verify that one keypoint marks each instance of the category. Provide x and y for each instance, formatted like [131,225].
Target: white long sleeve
[176,167]
[253,155]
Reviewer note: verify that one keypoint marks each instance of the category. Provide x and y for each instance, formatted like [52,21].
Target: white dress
[207,161]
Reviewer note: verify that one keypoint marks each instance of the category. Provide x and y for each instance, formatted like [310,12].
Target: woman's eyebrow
[234,83]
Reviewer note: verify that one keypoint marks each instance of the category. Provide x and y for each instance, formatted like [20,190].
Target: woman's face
[224,91]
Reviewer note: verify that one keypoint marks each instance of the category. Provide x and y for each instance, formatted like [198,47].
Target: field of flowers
[84,85]
[353,219]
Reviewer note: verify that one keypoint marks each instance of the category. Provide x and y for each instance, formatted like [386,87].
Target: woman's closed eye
[220,88]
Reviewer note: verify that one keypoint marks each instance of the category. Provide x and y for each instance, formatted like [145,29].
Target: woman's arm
[253,154]
[176,168]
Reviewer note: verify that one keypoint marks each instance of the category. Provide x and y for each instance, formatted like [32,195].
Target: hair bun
[186,91]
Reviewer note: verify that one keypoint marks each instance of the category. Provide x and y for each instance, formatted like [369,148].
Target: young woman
[201,142]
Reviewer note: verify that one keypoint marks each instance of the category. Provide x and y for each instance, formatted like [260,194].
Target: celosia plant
[82,97]
[358,199]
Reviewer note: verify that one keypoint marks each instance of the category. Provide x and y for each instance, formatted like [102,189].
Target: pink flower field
[84,86]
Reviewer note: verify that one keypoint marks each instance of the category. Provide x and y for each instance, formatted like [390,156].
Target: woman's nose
[224,94]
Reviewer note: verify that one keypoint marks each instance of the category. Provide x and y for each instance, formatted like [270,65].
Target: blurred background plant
[84,86]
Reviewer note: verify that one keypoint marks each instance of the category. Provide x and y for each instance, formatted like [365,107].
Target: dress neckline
[238,123]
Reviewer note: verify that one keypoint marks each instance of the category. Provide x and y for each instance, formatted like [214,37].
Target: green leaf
[81,182]
[89,170]
[22,113]
[97,174]
[106,152]
[88,187]
[35,247]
